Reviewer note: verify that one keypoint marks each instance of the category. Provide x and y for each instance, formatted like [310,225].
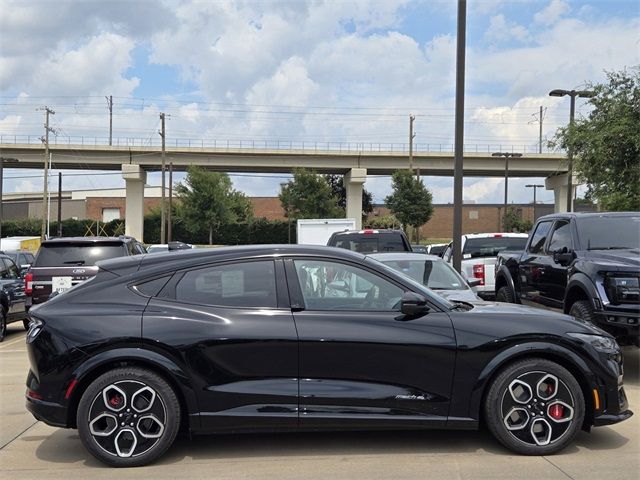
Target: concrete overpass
[354,163]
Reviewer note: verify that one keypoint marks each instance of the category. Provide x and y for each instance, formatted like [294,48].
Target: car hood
[615,258]
[465,295]
[536,316]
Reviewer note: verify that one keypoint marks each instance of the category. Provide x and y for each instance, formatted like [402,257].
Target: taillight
[478,272]
[28,283]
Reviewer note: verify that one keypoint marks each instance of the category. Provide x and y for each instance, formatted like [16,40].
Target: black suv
[12,301]
[585,264]
[371,241]
[64,262]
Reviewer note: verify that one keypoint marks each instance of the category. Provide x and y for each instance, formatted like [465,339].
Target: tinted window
[609,232]
[437,250]
[437,275]
[337,286]
[560,237]
[491,246]
[153,287]
[13,271]
[60,254]
[249,284]
[370,243]
[539,237]
[4,271]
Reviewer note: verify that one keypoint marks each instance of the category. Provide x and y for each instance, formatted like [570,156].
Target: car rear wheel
[128,417]
[534,407]
[505,295]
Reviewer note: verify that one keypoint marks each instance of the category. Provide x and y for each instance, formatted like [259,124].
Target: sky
[313,71]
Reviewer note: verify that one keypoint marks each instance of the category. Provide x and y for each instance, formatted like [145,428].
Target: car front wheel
[534,407]
[128,417]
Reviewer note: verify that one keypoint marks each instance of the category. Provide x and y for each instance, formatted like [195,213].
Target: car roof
[399,256]
[497,234]
[195,256]
[53,241]
[552,216]
[369,231]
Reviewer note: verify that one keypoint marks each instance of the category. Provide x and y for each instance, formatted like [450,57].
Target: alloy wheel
[127,418]
[537,408]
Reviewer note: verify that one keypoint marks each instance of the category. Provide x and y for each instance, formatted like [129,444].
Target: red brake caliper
[556,411]
[115,400]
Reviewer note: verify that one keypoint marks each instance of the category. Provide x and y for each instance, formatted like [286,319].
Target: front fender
[153,360]
[582,281]
[562,355]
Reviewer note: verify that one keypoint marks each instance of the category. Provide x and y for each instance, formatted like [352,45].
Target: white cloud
[500,30]
[552,12]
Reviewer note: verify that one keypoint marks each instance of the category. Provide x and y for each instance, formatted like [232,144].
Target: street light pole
[535,188]
[506,156]
[572,111]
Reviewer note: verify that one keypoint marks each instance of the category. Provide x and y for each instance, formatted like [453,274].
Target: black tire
[505,295]
[517,424]
[25,323]
[3,323]
[113,433]
[583,310]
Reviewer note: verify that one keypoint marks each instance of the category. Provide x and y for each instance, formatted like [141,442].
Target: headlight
[623,289]
[599,342]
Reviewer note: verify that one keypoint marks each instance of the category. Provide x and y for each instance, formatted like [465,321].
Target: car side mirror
[563,256]
[474,282]
[413,304]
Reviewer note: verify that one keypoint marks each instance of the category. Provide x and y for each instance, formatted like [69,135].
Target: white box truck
[317,231]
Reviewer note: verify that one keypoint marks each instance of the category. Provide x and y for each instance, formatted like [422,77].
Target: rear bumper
[50,413]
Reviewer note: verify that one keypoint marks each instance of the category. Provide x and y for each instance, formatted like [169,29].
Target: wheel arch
[579,287]
[129,357]
[504,279]
[557,354]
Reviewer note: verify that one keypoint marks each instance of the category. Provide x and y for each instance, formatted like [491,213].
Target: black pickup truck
[583,264]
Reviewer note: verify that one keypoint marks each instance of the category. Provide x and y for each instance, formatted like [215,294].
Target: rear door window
[247,284]
[63,254]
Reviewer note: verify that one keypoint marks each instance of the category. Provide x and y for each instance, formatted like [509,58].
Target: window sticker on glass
[232,283]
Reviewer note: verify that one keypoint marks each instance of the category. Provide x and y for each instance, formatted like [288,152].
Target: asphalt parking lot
[30,449]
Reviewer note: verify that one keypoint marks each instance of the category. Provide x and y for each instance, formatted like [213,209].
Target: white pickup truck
[479,253]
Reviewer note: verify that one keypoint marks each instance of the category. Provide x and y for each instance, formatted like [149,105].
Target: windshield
[437,275]
[62,254]
[419,287]
[491,246]
[619,232]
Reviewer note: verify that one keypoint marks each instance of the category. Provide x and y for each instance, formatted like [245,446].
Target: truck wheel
[534,407]
[505,295]
[128,417]
[583,310]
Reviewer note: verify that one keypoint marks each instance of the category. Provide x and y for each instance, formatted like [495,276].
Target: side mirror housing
[413,304]
[563,257]
[473,282]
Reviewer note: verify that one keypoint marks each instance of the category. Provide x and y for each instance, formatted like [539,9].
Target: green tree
[411,202]
[208,200]
[513,221]
[606,144]
[385,221]
[336,182]
[308,195]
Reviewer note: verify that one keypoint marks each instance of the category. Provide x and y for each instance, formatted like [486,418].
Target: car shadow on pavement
[64,446]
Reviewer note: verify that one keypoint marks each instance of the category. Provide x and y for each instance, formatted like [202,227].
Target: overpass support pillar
[134,178]
[353,181]
[558,183]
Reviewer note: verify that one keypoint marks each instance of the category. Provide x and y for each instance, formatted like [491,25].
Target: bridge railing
[283,145]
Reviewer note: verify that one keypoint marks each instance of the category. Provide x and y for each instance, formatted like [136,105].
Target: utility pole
[539,117]
[458,161]
[59,204]
[45,189]
[169,213]
[110,105]
[162,206]
[411,137]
